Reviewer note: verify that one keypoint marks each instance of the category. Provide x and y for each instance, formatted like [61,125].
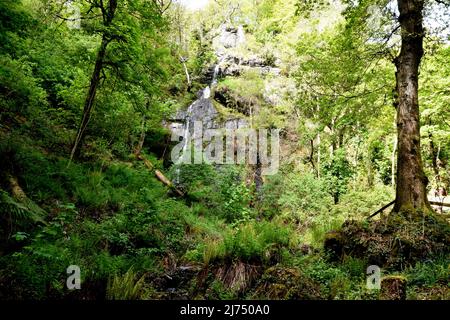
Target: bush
[304,198]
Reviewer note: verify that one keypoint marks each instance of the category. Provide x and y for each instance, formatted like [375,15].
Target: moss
[393,242]
[279,283]
[393,288]
[438,292]
[334,244]
[226,113]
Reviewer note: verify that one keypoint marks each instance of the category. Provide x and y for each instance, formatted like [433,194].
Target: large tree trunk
[394,152]
[411,179]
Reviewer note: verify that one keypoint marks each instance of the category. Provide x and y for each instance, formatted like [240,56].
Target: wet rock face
[230,64]
[201,110]
[231,37]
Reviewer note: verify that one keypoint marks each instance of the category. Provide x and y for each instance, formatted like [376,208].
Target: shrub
[304,198]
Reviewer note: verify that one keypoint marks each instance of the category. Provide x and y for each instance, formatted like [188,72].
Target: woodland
[93,92]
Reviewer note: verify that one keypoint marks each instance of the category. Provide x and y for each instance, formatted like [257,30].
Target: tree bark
[394,152]
[186,72]
[411,180]
[311,158]
[16,191]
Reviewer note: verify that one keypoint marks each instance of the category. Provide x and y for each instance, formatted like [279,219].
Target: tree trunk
[318,155]
[88,104]
[160,176]
[311,158]
[394,152]
[411,180]
[108,16]
[186,72]
[140,144]
[434,158]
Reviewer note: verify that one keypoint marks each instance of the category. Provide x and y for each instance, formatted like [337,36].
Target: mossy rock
[393,242]
[334,244]
[279,283]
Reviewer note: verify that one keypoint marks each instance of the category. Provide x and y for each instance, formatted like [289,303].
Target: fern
[126,287]
[19,212]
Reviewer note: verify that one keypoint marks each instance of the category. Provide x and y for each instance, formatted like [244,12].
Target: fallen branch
[160,176]
[381,210]
[37,214]
[440,204]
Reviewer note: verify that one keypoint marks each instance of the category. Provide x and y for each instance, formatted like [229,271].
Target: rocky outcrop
[230,37]
[232,65]
[203,110]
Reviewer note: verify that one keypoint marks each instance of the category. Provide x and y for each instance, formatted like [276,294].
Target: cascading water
[240,39]
[203,108]
[216,74]
[185,144]
[206,94]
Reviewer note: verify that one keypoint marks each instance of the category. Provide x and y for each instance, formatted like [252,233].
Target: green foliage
[304,197]
[126,287]
[330,95]
[338,172]
[221,189]
[18,212]
[360,203]
[429,273]
[263,242]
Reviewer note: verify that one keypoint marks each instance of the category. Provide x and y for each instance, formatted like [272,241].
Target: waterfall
[200,109]
[186,133]
[185,143]
[240,39]
[206,94]
[215,74]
